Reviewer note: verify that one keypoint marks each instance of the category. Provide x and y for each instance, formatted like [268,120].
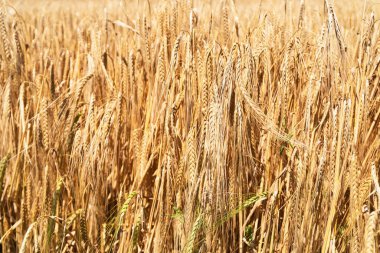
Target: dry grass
[189,126]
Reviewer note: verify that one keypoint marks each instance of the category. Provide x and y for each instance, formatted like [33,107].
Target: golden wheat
[189,126]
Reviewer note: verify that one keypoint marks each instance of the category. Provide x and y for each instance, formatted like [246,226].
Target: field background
[189,126]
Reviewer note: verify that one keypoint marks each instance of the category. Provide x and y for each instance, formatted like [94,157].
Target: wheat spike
[370,233]
[4,35]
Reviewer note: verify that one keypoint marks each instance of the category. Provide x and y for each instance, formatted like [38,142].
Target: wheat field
[189,126]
